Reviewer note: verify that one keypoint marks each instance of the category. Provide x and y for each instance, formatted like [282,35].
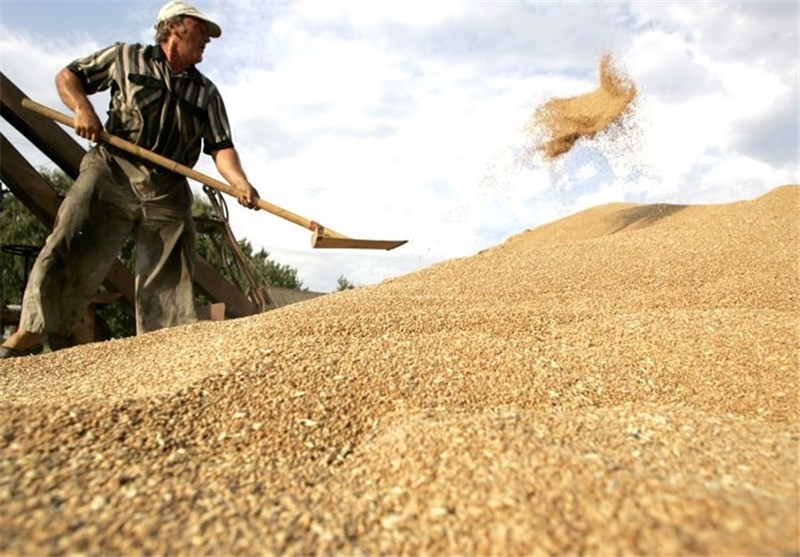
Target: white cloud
[737,177]
[364,13]
[32,65]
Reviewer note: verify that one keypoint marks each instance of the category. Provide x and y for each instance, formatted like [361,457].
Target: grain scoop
[323,237]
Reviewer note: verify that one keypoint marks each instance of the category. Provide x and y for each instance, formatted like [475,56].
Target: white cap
[176,8]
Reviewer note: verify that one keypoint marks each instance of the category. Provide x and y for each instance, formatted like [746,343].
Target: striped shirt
[170,114]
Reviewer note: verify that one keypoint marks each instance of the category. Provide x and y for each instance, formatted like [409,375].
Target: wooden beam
[213,285]
[27,184]
[42,200]
[46,135]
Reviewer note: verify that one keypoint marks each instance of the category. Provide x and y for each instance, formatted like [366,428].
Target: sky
[407,120]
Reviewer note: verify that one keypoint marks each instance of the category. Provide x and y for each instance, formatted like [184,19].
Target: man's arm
[70,89]
[229,165]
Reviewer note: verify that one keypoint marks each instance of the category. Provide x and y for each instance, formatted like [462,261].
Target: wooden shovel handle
[178,168]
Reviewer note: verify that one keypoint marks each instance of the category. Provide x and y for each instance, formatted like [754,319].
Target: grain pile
[620,381]
[564,121]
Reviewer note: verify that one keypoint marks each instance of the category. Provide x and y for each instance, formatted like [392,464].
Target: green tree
[212,246]
[270,271]
[20,229]
[344,284]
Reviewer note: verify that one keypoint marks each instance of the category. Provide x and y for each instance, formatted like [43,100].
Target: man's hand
[248,196]
[228,164]
[87,124]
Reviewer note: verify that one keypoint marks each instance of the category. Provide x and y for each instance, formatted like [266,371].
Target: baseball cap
[176,8]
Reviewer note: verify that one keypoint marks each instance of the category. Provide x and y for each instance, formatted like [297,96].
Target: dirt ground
[622,381]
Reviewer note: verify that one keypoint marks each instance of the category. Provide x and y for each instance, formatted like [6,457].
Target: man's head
[183,33]
[175,11]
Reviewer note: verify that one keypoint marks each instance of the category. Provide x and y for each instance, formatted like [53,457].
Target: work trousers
[111,199]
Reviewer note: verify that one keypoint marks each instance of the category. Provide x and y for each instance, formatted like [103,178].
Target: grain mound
[620,381]
[567,120]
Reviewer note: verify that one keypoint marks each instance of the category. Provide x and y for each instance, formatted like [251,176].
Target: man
[160,101]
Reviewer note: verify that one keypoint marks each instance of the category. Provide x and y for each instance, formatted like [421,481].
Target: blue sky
[406,120]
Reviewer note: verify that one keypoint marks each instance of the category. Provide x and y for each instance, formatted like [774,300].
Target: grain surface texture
[622,381]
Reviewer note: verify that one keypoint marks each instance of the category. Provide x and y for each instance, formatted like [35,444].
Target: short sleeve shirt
[171,114]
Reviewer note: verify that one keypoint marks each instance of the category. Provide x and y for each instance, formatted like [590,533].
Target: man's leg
[165,266]
[86,239]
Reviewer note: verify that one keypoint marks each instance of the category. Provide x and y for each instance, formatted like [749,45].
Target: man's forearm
[229,165]
[70,89]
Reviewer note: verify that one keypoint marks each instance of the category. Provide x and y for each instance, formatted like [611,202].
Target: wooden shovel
[322,238]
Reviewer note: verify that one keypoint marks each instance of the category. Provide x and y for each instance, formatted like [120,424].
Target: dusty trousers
[111,199]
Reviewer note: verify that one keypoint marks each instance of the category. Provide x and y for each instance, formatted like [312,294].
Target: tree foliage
[213,248]
[19,227]
[344,284]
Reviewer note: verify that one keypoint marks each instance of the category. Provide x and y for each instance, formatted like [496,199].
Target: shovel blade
[321,241]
